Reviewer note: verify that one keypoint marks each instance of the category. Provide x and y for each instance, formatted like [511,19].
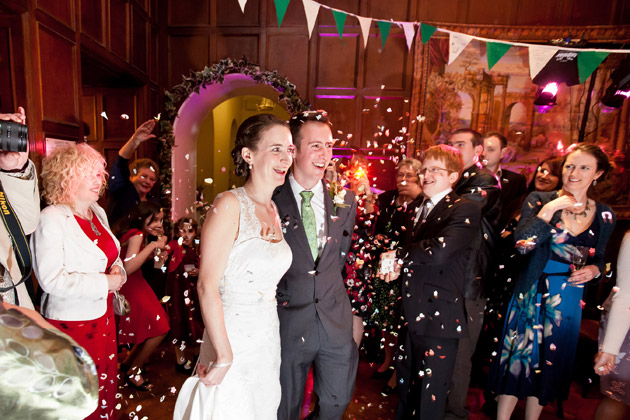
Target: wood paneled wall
[75,56]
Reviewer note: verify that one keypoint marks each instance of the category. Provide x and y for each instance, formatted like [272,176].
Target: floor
[367,403]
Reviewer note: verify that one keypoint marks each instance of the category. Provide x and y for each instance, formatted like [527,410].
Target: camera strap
[18,241]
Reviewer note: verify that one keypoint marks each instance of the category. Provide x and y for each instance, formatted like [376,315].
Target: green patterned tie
[308,220]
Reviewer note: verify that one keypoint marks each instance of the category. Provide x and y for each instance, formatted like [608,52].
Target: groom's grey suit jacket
[315,288]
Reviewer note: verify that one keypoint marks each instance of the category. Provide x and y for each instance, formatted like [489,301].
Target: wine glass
[579,257]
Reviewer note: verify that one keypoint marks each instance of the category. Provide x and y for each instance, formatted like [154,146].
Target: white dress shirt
[317,202]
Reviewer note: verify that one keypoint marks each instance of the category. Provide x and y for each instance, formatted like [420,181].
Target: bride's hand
[211,376]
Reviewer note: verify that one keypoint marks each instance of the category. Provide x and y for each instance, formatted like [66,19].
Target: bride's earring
[250,166]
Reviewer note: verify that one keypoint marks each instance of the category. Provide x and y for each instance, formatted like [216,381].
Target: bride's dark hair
[248,135]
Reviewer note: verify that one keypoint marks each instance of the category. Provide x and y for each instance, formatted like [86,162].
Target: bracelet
[220,365]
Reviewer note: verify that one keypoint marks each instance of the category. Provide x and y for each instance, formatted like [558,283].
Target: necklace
[89,219]
[575,215]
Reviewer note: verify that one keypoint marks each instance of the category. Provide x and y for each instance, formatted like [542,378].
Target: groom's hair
[297,121]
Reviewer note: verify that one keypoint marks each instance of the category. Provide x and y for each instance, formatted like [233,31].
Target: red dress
[183,306]
[147,317]
[98,336]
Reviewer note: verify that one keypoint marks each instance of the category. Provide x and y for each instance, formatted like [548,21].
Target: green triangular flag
[384,27]
[426,31]
[494,51]
[587,62]
[340,20]
[281,9]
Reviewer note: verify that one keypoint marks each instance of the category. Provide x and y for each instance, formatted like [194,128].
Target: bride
[243,257]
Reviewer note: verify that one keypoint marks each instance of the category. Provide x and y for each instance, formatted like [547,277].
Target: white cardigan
[70,267]
[619,314]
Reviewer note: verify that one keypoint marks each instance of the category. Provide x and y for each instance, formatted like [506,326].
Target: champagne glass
[579,257]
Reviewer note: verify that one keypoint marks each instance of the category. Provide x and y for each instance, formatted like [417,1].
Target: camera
[13,136]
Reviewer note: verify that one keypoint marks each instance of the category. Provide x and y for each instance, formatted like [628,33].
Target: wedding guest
[433,286]
[182,307]
[548,175]
[612,362]
[396,211]
[243,256]
[513,185]
[146,324]
[131,183]
[313,306]
[481,186]
[18,179]
[564,234]
[76,260]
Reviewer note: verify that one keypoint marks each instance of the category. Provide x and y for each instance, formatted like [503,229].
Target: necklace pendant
[94,229]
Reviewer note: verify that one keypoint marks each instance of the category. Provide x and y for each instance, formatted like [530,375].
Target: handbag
[121,304]
[45,373]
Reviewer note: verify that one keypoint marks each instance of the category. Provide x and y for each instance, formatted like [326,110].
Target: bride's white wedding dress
[251,387]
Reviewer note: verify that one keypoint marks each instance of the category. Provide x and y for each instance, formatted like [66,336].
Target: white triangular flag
[365,23]
[311,9]
[456,45]
[410,31]
[538,58]
[242,3]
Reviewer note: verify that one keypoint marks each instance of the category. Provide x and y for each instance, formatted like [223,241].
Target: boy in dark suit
[433,284]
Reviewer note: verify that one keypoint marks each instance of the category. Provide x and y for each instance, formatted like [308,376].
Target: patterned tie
[308,220]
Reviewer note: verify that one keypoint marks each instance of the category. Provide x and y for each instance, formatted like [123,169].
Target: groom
[313,307]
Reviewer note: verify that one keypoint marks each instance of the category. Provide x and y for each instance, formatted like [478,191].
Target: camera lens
[13,136]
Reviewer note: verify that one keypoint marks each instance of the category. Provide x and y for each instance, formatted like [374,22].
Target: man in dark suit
[313,307]
[480,185]
[513,185]
[433,284]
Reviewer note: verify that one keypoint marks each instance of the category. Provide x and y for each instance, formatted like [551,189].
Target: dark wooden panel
[492,12]
[6,82]
[294,15]
[538,12]
[339,68]
[119,28]
[229,13]
[282,56]
[588,12]
[139,45]
[190,12]
[59,88]
[438,11]
[154,55]
[115,104]
[93,19]
[397,10]
[624,16]
[62,10]
[351,6]
[386,66]
[341,112]
[89,117]
[186,53]
[236,46]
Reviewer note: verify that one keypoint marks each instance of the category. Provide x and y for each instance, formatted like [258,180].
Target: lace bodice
[255,265]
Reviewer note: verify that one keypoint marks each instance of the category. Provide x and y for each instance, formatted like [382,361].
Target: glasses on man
[433,170]
[407,176]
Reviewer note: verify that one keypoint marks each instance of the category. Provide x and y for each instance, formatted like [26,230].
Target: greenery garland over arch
[193,83]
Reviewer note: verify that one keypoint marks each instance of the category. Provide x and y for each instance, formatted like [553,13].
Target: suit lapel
[436,212]
[291,218]
[329,220]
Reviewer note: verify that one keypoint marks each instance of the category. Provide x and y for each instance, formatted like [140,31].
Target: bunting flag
[538,58]
[311,9]
[426,31]
[494,52]
[242,3]
[384,26]
[587,62]
[456,44]
[365,23]
[281,9]
[409,28]
[340,20]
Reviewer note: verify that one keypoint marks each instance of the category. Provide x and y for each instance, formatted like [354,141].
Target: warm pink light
[551,88]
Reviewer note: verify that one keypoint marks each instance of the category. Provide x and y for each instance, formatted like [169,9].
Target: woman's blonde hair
[65,168]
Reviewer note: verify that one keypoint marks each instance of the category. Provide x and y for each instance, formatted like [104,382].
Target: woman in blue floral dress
[564,236]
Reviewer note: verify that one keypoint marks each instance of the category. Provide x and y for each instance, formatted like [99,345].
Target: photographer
[19,205]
